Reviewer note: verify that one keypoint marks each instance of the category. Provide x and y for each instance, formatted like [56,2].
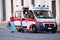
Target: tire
[22,31]
[19,30]
[47,31]
[56,26]
[53,31]
[34,29]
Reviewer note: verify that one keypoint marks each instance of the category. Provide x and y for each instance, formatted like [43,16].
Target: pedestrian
[8,25]
[12,24]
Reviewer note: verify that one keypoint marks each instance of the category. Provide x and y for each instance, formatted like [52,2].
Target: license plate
[49,28]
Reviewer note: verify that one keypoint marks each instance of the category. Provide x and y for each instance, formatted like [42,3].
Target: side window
[30,14]
[25,14]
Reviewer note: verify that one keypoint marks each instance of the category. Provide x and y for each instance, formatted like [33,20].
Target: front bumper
[46,27]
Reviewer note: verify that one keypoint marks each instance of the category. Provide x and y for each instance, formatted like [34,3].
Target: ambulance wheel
[19,30]
[53,31]
[22,31]
[34,29]
[47,31]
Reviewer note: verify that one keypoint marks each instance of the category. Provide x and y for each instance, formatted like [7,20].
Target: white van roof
[39,7]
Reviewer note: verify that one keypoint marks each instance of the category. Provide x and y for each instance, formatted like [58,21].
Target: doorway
[54,8]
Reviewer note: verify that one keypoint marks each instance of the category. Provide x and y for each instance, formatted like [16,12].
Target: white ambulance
[34,20]
[25,20]
[45,16]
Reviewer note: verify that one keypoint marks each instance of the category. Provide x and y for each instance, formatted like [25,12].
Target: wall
[8,9]
[27,2]
[0,11]
[16,5]
[57,12]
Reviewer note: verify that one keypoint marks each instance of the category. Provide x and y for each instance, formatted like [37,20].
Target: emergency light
[39,7]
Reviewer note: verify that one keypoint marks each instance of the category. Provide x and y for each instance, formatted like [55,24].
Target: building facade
[58,11]
[7,7]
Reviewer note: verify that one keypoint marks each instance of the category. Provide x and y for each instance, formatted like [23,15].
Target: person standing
[12,24]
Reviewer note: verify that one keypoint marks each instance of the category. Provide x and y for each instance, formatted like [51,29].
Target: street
[5,34]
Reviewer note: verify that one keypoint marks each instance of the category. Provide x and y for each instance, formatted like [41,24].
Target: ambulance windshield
[43,14]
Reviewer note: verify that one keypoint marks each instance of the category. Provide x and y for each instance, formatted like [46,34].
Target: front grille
[52,25]
[46,25]
[49,25]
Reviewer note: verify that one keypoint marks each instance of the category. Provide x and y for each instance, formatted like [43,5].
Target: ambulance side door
[28,20]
